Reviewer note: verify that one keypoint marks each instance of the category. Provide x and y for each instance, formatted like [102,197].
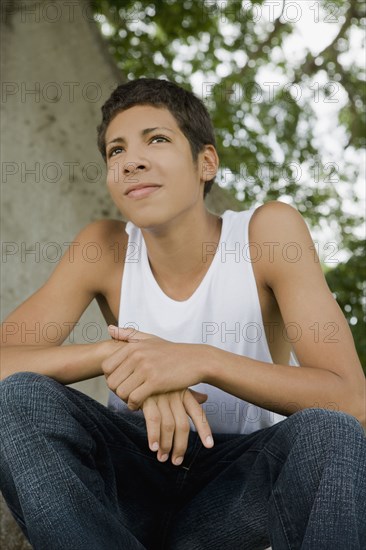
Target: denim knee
[326,417]
[22,390]
[327,426]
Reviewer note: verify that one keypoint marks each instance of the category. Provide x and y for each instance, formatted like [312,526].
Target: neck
[182,251]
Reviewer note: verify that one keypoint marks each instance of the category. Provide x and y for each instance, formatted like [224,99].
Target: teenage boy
[217,304]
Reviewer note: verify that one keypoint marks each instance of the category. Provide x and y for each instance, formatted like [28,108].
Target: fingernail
[164,458]
[155,446]
[209,440]
[178,461]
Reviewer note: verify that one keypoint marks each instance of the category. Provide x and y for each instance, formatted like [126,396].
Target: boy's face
[159,159]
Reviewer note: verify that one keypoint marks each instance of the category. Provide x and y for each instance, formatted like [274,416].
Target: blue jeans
[78,476]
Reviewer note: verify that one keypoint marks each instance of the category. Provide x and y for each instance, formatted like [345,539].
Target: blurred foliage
[267,136]
[346,278]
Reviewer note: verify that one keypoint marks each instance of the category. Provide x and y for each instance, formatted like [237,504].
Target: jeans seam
[283,460]
[185,471]
[133,451]
[273,455]
[281,520]
[248,451]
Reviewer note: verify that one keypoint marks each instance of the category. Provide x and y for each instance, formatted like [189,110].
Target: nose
[130,167]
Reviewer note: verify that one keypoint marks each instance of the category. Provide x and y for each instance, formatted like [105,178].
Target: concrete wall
[56,75]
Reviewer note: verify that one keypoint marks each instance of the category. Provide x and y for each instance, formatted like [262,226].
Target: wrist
[105,348]
[209,363]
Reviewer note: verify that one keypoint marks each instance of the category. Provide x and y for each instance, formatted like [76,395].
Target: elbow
[362,403]
[361,416]
[7,370]
[4,370]
[352,398]
[357,403]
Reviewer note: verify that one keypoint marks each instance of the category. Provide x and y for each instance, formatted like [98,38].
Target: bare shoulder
[102,244]
[283,237]
[275,217]
[104,231]
[102,237]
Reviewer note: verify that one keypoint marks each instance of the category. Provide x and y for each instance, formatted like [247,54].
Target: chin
[140,217]
[149,216]
[146,220]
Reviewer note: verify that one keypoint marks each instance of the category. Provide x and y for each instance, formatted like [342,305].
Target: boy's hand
[168,426]
[149,365]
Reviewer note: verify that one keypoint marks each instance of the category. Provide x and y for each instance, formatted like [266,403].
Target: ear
[208,163]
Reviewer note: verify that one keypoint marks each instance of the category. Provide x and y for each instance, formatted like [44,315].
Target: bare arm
[66,364]
[330,375]
[32,335]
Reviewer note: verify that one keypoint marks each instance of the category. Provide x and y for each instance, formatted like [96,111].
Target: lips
[141,190]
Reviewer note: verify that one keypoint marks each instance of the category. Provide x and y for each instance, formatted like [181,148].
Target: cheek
[114,184]
[113,175]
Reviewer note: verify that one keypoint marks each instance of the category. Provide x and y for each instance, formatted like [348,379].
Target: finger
[128,387]
[153,419]
[182,428]
[199,419]
[115,359]
[119,376]
[167,428]
[199,396]
[139,395]
[120,333]
[127,334]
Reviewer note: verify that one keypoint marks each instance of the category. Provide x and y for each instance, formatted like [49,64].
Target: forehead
[139,117]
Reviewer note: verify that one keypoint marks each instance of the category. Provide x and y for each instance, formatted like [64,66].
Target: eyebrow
[142,133]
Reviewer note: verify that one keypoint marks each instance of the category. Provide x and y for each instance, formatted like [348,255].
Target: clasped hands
[153,374]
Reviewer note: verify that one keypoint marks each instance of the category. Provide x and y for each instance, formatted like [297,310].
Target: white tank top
[224,311]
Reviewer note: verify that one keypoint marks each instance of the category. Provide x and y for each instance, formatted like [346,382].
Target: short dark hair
[189,111]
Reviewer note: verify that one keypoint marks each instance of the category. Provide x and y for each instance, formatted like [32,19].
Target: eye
[118,149]
[114,150]
[159,137]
